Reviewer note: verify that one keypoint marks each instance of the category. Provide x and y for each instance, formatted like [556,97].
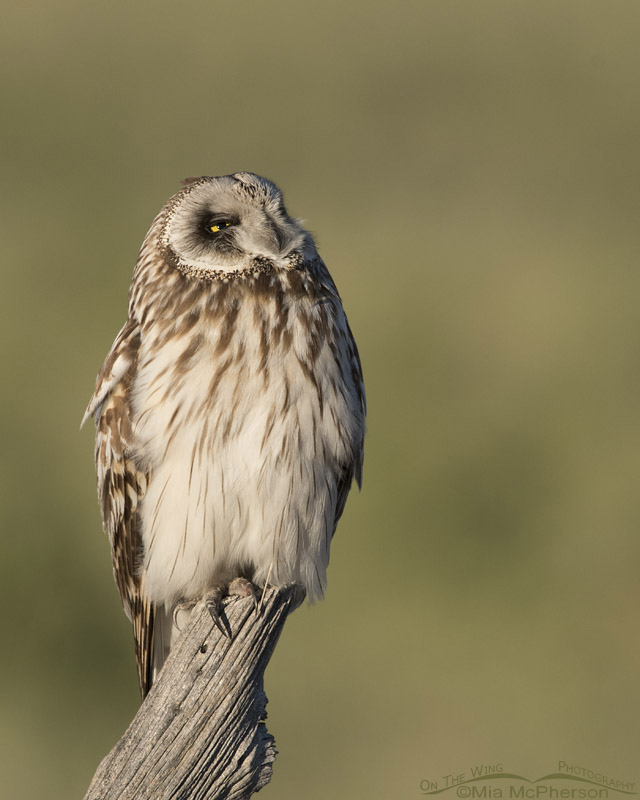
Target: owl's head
[228,224]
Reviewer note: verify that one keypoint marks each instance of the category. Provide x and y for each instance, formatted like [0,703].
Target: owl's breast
[244,430]
[249,377]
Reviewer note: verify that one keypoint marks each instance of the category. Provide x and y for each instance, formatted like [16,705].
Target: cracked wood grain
[200,733]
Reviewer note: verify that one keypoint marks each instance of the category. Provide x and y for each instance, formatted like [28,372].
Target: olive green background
[471,170]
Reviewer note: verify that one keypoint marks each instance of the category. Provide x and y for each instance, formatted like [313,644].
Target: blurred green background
[471,170]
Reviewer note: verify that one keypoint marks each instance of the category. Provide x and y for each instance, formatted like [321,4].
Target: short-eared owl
[229,412]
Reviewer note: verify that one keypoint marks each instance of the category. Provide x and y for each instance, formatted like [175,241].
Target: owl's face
[226,224]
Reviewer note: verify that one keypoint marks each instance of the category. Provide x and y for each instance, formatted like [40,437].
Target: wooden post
[200,732]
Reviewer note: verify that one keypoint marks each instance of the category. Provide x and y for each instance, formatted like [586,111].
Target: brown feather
[121,486]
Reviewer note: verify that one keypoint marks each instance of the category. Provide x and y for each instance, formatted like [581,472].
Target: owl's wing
[353,469]
[121,485]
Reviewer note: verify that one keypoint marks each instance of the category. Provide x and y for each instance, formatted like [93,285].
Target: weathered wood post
[200,732]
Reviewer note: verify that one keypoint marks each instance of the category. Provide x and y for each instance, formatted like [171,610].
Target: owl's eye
[220,225]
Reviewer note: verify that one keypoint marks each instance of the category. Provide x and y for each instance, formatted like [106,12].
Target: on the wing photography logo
[491,782]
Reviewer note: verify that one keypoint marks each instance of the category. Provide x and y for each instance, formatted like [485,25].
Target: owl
[230,411]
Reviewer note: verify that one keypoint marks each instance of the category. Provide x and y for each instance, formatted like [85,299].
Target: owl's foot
[239,587]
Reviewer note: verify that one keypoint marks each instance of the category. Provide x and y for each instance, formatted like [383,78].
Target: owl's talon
[185,606]
[213,607]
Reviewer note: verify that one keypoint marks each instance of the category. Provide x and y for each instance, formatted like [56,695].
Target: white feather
[216,505]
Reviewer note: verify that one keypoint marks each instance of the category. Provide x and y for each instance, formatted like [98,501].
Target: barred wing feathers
[354,469]
[121,486]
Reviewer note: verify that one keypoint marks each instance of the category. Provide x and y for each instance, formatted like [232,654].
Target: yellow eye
[218,226]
